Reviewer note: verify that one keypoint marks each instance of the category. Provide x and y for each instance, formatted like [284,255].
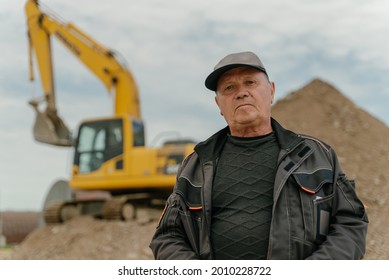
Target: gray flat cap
[232,61]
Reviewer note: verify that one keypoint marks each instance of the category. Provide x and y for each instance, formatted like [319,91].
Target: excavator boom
[42,26]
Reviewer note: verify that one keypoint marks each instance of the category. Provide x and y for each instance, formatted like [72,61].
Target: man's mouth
[242,105]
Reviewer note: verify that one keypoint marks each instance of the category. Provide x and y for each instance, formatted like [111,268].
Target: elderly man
[255,190]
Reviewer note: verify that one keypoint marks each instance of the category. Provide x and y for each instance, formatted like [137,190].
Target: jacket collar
[286,138]
[211,148]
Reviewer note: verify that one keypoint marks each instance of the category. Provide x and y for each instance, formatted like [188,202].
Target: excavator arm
[42,26]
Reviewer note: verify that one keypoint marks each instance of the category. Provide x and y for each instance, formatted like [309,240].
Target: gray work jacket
[316,212]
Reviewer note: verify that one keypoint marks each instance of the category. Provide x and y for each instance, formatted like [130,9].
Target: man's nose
[242,93]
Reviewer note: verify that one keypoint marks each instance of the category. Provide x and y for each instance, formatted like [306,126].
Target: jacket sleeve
[169,241]
[346,238]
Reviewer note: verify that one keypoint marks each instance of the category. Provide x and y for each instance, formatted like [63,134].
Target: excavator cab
[97,142]
[49,128]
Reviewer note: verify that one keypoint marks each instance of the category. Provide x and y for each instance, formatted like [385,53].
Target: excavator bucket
[50,129]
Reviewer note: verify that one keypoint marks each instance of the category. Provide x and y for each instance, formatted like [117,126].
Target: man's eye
[228,88]
[250,82]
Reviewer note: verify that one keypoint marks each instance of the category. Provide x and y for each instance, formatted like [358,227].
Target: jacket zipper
[209,208]
[288,151]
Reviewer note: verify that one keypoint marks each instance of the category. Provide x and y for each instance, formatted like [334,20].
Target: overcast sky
[170,47]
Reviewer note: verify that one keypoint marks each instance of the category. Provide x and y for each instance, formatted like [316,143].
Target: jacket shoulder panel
[317,169]
[317,141]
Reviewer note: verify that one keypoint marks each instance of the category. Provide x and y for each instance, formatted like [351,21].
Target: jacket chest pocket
[194,226]
[316,194]
[322,208]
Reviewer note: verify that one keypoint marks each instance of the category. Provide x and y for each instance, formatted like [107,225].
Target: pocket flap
[311,182]
[190,193]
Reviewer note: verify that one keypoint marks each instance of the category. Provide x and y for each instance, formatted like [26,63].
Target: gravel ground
[87,238]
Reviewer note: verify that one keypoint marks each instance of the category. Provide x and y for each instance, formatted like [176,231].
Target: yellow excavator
[113,171]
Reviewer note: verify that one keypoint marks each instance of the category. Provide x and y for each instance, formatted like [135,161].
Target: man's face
[244,96]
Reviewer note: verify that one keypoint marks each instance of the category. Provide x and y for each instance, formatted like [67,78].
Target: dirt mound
[88,238]
[360,140]
[318,109]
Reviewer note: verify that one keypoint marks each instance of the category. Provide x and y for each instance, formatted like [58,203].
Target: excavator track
[60,212]
[123,207]
[51,212]
[118,209]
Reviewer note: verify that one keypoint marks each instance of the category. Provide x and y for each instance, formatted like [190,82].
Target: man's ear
[273,91]
[217,103]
